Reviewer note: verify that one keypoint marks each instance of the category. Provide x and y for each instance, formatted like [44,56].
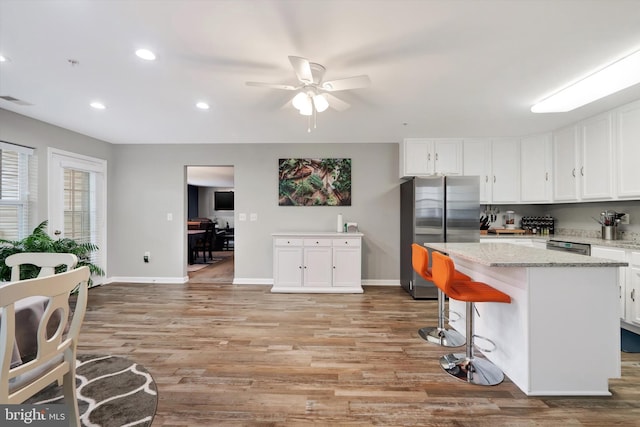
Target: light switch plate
[624,219]
[253,217]
[242,217]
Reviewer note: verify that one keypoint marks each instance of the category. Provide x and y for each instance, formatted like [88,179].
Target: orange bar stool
[435,334]
[466,366]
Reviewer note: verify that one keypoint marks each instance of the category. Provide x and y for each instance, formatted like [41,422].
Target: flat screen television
[223,200]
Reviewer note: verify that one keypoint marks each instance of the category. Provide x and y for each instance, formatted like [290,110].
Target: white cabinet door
[535,169]
[628,153]
[505,167]
[565,182]
[477,162]
[346,266]
[633,289]
[317,266]
[447,157]
[416,157]
[287,266]
[616,255]
[596,170]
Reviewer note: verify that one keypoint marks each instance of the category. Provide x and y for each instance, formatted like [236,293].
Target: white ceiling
[210,176]
[438,68]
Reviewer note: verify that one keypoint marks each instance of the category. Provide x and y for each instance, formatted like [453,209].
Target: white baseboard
[380,283]
[248,281]
[236,281]
[161,280]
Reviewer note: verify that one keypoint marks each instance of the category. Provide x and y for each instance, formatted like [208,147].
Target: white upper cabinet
[565,179]
[596,169]
[477,162]
[420,157]
[628,153]
[535,169]
[505,171]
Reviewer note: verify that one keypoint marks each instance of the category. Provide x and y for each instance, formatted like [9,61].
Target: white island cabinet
[560,303]
[317,262]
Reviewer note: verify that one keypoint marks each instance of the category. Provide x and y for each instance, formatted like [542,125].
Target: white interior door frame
[58,161]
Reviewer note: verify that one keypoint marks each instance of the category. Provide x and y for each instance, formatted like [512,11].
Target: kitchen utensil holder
[610,232]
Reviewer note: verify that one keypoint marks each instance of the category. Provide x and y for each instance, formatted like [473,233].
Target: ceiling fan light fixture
[301,100]
[307,109]
[320,102]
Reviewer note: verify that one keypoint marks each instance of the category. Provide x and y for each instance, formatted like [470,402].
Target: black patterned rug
[112,392]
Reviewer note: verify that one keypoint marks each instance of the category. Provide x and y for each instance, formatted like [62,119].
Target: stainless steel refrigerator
[435,209]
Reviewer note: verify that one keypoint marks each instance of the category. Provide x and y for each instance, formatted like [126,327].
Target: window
[14,193]
[77,212]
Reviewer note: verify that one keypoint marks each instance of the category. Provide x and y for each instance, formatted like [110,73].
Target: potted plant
[40,241]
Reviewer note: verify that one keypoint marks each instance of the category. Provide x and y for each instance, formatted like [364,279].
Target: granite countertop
[501,255]
[622,244]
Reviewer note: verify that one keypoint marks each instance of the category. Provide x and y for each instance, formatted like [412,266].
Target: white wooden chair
[45,260]
[56,353]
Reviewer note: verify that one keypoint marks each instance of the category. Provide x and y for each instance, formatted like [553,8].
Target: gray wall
[149,183]
[22,130]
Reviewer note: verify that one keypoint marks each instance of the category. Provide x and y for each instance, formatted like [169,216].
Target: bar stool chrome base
[475,370]
[442,337]
[439,334]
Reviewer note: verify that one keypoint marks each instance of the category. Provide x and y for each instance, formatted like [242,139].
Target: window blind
[14,181]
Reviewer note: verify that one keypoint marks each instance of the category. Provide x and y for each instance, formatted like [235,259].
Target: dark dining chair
[206,243]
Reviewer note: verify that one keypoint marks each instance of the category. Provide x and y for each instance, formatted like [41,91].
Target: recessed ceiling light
[611,79]
[202,105]
[3,58]
[98,105]
[146,54]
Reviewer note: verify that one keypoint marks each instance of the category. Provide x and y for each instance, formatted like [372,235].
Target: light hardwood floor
[225,355]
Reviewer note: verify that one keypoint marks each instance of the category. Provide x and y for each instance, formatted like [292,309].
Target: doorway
[210,205]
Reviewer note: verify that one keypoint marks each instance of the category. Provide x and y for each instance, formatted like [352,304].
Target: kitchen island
[561,333]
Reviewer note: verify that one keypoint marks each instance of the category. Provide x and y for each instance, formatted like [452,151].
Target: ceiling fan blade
[336,103]
[272,86]
[302,68]
[356,82]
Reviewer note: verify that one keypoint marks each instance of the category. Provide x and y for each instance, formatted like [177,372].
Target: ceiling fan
[314,94]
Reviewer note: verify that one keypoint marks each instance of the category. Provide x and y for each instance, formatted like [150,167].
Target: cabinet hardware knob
[494,178]
[546,176]
[486,178]
[429,156]
[582,171]
[573,172]
[633,295]
[436,157]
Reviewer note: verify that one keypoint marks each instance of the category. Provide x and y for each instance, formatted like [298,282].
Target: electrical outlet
[147,255]
[624,219]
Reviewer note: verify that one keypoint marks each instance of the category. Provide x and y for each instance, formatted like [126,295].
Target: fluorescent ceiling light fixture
[146,54]
[202,105]
[611,79]
[98,105]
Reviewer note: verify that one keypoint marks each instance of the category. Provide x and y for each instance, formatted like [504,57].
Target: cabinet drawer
[346,242]
[317,242]
[635,259]
[288,242]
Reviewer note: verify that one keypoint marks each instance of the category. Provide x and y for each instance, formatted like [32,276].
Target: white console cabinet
[321,262]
